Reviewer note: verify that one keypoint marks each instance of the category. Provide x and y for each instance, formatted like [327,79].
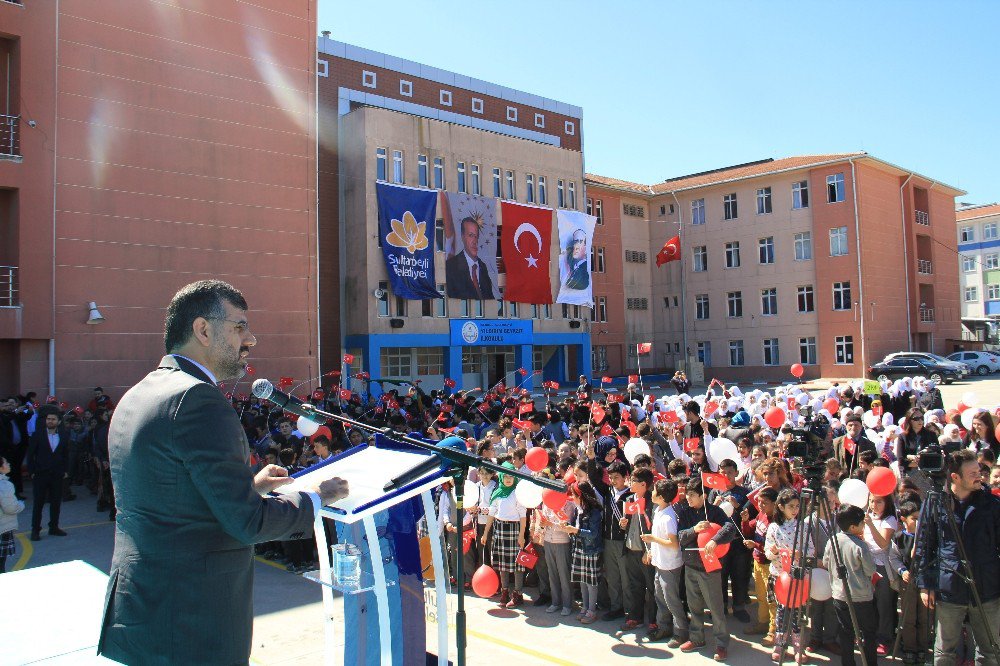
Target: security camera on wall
[379,294]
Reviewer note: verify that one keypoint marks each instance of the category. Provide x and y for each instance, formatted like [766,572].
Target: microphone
[307,424]
[432,463]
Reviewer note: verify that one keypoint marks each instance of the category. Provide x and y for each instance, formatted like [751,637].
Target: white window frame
[382,157]
[439,176]
[322,68]
[382,307]
[599,210]
[764,202]
[843,346]
[423,172]
[765,246]
[990,231]
[968,264]
[732,255]
[462,180]
[734,303]
[993,292]
[772,346]
[369,79]
[441,304]
[800,188]
[807,351]
[540,120]
[398,173]
[737,354]
[497,183]
[699,259]
[991,261]
[602,309]
[569,127]
[543,194]
[406,88]
[704,353]
[512,114]
[698,211]
[529,187]
[477,105]
[838,242]
[571,194]
[730,203]
[510,193]
[769,302]
[972,294]
[702,306]
[839,191]
[475,180]
[967,235]
[445,97]
[803,246]
[805,295]
[842,290]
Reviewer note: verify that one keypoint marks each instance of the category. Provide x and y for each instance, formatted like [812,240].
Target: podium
[383,525]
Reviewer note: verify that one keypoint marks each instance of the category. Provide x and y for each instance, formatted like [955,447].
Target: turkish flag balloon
[774,417]
[536,459]
[485,581]
[797,370]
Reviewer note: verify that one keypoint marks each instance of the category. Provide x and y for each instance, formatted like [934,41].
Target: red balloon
[485,581]
[783,591]
[831,405]
[961,407]
[570,477]
[774,417]
[881,481]
[536,459]
[554,499]
[709,534]
[797,370]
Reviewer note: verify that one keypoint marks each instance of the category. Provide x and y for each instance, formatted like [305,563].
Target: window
[512,309]
[473,360]
[496,183]
[322,68]
[733,254]
[807,351]
[599,211]
[427,307]
[539,120]
[635,257]
[637,303]
[800,194]
[445,98]
[512,114]
[441,304]
[705,353]
[548,311]
[841,295]
[700,259]
[381,170]
[543,197]
[844,345]
[462,186]
[597,264]
[478,309]
[991,261]
[510,192]
[439,235]
[400,306]
[430,361]
[990,231]
[369,79]
[806,299]
[397,166]
[560,194]
[835,188]
[599,358]
[729,207]
[438,173]
[701,308]
[765,250]
[633,210]
[838,241]
[572,194]
[565,311]
[736,352]
[396,361]
[529,188]
[769,301]
[477,188]
[764,201]
[968,264]
[971,294]
[383,301]
[406,88]
[576,311]
[967,235]
[569,127]
[698,211]
[771,351]
[735,302]
[422,179]
[803,246]
[477,105]
[993,291]
[602,309]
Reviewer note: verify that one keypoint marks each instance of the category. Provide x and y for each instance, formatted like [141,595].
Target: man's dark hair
[958,459]
[728,464]
[908,509]
[618,467]
[676,467]
[694,486]
[642,460]
[642,475]
[666,489]
[198,299]
[692,406]
[286,457]
[848,516]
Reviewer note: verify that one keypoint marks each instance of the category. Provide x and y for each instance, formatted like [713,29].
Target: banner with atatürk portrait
[405,214]
[470,245]
[576,233]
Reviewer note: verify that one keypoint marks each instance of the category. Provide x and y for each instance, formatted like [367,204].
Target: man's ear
[201,331]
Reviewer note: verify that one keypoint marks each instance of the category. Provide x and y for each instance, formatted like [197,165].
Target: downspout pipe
[684,327]
[906,264]
[861,284]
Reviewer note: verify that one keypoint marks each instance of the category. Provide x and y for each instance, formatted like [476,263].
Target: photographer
[942,581]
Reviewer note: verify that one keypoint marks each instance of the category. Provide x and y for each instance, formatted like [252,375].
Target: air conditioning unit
[379,294]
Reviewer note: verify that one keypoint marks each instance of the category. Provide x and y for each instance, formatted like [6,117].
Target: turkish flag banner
[597,412]
[523,425]
[713,480]
[525,240]
[691,444]
[606,430]
[711,562]
[345,394]
[785,557]
[644,347]
[849,445]
[606,380]
[671,251]
[526,408]
[636,507]
[392,404]
[632,428]
[632,379]
[348,359]
[527,557]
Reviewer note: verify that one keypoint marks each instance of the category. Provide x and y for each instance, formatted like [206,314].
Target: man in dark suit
[189,507]
[466,274]
[848,447]
[14,440]
[48,464]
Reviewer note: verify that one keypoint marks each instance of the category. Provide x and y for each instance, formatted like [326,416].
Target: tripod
[938,509]
[802,571]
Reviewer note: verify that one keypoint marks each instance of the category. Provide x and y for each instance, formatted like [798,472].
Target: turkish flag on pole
[671,251]
[598,412]
[691,444]
[525,241]
[348,359]
[644,347]
[713,480]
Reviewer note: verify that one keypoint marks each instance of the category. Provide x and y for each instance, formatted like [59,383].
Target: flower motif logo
[409,234]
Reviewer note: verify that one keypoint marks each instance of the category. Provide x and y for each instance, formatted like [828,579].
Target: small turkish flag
[671,251]
[527,558]
[509,411]
[450,383]
[791,404]
[785,557]
[526,408]
[348,359]
[669,416]
[345,394]
[523,425]
[752,498]
[606,380]
[691,444]
[632,379]
[285,381]
[447,408]
[448,430]
[616,398]
[317,395]
[632,428]
[713,480]
[468,538]
[597,412]
[522,372]
[849,445]
[606,430]
[877,409]
[711,562]
[636,507]
[644,347]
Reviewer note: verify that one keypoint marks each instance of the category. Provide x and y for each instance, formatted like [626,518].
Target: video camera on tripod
[807,444]
[933,459]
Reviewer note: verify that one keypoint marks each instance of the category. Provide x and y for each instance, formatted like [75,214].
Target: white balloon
[720,449]
[879,445]
[970,399]
[870,420]
[820,588]
[307,427]
[967,416]
[871,435]
[854,492]
[727,507]
[528,494]
[634,447]
[472,493]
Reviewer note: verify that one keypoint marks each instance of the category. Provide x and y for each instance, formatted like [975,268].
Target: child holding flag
[506,524]
[636,521]
[588,542]
[667,560]
[779,546]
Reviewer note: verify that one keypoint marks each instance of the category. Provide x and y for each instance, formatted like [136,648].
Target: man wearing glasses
[189,507]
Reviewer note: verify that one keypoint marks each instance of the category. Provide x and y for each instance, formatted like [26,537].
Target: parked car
[962,368]
[911,367]
[982,363]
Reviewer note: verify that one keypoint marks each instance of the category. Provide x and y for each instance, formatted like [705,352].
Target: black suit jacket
[459,280]
[42,459]
[181,585]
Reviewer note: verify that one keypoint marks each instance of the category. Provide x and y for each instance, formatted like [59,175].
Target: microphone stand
[459,463]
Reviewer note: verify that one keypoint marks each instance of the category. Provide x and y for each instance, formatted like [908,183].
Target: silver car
[981,362]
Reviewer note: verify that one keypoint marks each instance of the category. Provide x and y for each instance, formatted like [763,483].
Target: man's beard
[229,363]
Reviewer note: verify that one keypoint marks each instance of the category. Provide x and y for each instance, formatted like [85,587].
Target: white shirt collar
[469,260]
[200,367]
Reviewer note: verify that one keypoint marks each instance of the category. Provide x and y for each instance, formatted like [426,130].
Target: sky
[672,88]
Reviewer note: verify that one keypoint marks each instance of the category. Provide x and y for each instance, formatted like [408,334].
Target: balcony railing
[927,315]
[925,267]
[8,286]
[923,218]
[10,144]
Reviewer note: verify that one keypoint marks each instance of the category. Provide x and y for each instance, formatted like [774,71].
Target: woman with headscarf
[605,451]
[505,525]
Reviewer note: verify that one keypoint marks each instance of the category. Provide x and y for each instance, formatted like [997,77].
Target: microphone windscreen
[262,389]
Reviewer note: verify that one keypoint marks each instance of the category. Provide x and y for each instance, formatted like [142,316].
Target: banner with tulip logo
[406,225]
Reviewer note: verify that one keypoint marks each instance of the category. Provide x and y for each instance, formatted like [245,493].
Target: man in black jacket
[48,464]
[615,564]
[942,580]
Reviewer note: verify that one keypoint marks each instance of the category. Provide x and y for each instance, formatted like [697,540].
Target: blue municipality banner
[405,216]
[476,332]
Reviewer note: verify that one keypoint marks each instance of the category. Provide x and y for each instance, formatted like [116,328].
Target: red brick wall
[610,283]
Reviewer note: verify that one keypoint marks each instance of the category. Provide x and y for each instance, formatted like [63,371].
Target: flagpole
[638,362]
[680,239]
